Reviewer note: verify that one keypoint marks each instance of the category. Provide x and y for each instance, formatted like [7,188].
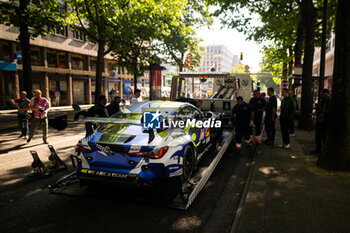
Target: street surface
[27,206]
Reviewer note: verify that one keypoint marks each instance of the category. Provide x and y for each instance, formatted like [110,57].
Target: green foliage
[181,40]
[238,69]
[141,24]
[276,30]
[268,81]
[42,16]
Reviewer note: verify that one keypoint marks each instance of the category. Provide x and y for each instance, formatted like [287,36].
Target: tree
[33,18]
[297,24]
[238,69]
[337,151]
[142,24]
[179,45]
[97,19]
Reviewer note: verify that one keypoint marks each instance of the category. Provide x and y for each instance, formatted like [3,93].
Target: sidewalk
[289,193]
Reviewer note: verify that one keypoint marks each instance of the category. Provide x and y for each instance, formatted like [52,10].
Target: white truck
[218,91]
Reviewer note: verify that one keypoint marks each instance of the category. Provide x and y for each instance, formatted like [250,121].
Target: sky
[235,41]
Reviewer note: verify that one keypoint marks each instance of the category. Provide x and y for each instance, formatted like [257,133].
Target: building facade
[329,65]
[66,62]
[218,57]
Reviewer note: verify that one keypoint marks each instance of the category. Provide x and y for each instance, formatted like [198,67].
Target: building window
[79,35]
[35,56]
[5,54]
[61,31]
[77,62]
[112,66]
[52,59]
[93,64]
[61,60]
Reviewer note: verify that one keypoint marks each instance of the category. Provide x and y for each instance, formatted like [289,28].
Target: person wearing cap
[322,118]
[257,104]
[40,106]
[241,116]
[21,103]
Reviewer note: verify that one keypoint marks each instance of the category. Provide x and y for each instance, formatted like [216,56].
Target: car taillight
[156,154]
[82,149]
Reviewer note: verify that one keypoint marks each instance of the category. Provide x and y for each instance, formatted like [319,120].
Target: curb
[237,218]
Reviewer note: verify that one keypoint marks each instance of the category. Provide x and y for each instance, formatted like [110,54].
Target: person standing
[135,97]
[287,113]
[270,117]
[22,103]
[322,116]
[257,105]
[98,110]
[40,107]
[292,122]
[114,106]
[241,116]
[57,98]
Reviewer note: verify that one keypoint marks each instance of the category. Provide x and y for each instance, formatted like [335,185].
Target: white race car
[146,143]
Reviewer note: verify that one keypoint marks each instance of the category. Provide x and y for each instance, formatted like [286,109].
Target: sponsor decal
[107,174]
[106,149]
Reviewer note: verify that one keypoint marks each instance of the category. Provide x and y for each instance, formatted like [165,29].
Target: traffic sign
[284,83]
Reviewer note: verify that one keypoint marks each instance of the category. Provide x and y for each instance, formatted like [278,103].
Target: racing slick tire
[188,164]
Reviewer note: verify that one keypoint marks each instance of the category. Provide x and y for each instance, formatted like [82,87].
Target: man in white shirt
[135,97]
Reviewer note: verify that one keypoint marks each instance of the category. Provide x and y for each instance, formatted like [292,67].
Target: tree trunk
[99,69]
[284,71]
[308,14]
[135,81]
[290,64]
[298,47]
[24,40]
[323,47]
[337,152]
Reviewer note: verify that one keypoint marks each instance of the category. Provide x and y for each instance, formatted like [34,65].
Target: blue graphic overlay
[151,120]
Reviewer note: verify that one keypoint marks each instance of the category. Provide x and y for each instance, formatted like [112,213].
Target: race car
[146,143]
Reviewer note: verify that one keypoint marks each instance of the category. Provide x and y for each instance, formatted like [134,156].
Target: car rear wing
[108,120]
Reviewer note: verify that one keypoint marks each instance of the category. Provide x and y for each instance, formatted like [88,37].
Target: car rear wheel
[188,163]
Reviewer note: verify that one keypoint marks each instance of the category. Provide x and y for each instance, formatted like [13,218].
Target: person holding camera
[40,107]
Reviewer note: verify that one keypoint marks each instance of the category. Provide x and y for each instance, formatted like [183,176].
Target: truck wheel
[188,163]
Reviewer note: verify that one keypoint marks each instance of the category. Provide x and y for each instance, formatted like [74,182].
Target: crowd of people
[247,116]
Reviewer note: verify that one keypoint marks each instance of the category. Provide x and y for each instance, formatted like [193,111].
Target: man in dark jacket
[287,114]
[114,106]
[257,104]
[270,118]
[241,116]
[98,110]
